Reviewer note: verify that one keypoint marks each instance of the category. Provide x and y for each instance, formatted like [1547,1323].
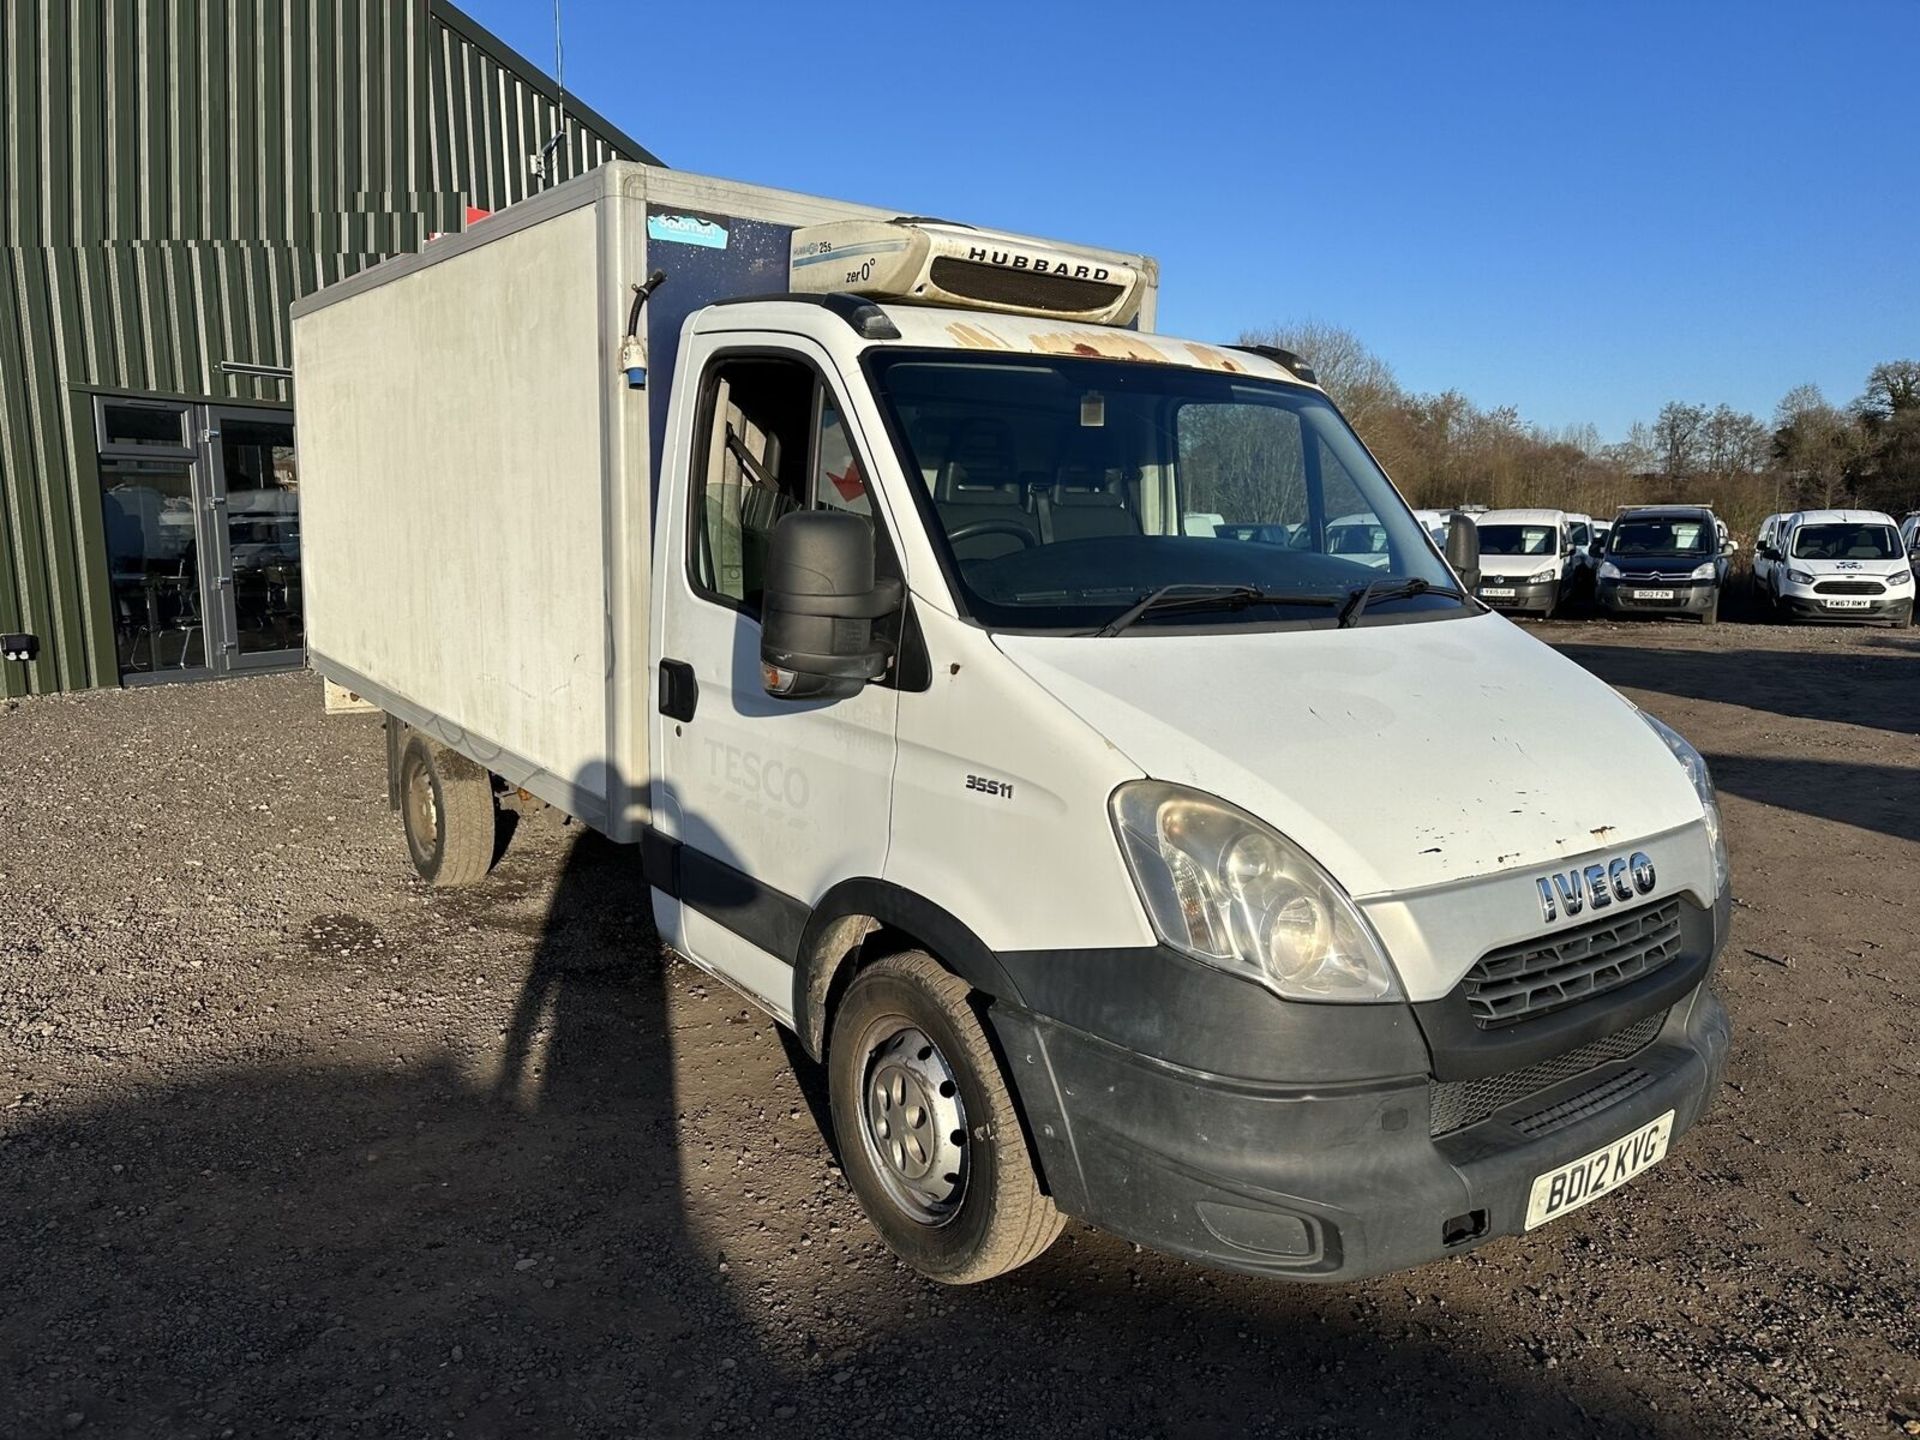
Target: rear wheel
[929,1137]
[448,812]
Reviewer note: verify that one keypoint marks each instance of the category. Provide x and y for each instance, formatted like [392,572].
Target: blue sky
[1579,210]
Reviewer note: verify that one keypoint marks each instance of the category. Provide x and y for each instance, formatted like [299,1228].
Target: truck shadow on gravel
[1877,690]
[420,1247]
[1883,798]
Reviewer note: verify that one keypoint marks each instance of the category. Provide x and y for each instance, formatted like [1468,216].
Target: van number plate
[1493,593]
[1847,604]
[1559,1191]
[1653,594]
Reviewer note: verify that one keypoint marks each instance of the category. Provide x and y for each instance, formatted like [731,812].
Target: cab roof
[930,326]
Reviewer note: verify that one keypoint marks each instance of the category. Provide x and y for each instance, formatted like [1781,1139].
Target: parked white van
[1836,565]
[984,694]
[1526,559]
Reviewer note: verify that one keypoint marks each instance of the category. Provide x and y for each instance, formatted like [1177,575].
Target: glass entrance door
[255,501]
[153,516]
[200,506]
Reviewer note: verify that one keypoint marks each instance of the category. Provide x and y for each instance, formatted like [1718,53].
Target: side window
[775,443]
[1361,534]
[838,481]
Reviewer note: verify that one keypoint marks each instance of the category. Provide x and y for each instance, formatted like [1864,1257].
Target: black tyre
[448,812]
[1711,615]
[929,1137]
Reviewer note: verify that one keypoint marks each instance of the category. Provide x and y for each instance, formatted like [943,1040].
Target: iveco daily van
[975,675]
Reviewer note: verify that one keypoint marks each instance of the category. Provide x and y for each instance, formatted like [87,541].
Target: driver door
[772,801]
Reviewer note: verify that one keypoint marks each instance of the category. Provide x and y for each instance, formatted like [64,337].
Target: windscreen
[1663,536]
[1064,490]
[1865,540]
[1519,540]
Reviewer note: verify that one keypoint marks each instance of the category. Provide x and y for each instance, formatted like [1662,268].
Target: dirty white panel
[452,500]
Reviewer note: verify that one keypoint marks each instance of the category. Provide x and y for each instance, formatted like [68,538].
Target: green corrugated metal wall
[173,174]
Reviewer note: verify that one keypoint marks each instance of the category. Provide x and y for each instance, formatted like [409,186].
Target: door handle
[679,690]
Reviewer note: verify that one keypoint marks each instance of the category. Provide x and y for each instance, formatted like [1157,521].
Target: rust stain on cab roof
[1215,358]
[1097,344]
[975,338]
[1105,344]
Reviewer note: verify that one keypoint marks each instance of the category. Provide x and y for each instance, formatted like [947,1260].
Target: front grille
[1456,1104]
[1550,972]
[1850,587]
[1590,1101]
[999,285]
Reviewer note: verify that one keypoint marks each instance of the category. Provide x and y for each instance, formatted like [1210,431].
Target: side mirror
[1463,550]
[818,607]
[1730,547]
[20,647]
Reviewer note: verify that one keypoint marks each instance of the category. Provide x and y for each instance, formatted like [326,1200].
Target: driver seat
[979,483]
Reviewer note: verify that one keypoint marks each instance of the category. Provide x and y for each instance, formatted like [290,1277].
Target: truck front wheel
[929,1137]
[448,811]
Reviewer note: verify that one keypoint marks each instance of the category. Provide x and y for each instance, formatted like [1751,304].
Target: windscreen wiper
[1211,597]
[1390,588]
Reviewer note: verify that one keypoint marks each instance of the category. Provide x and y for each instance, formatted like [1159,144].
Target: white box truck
[975,676]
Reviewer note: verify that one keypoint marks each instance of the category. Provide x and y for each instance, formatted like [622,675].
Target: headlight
[1704,572]
[1610,571]
[1798,577]
[1543,575]
[1696,767]
[1900,577]
[1225,888]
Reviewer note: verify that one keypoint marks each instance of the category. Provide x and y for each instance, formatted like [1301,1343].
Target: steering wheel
[1014,528]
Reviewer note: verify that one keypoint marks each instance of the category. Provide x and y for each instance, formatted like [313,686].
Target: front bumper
[1895,606]
[1628,597]
[1527,594]
[1329,1178]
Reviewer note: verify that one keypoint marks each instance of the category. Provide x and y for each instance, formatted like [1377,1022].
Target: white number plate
[1847,604]
[1495,593]
[1654,594]
[1559,1191]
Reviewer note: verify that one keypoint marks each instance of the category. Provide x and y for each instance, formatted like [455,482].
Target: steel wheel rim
[913,1122]
[423,810]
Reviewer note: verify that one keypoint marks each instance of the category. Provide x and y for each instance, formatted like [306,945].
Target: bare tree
[1360,382]
[1678,439]
[1892,389]
[1733,443]
[1817,444]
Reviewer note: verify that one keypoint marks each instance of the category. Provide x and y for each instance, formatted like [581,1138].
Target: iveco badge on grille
[1596,886]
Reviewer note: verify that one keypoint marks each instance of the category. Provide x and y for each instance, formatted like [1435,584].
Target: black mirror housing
[818,606]
[1463,549]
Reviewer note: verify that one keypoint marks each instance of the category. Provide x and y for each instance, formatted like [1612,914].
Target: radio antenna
[542,163]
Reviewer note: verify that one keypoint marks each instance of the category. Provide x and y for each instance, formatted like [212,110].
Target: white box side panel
[452,502]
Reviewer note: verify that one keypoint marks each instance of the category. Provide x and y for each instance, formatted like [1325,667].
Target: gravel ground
[291,1146]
